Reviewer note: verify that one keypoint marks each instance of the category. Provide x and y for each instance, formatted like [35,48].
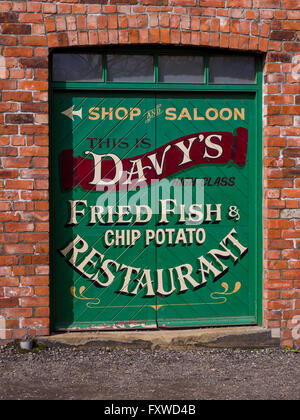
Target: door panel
[88,285]
[154,209]
[218,289]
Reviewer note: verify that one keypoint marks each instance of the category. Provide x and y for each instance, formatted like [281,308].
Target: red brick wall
[29,28]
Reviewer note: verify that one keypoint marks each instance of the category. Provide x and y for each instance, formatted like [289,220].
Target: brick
[18,52]
[17,96]
[5,6]
[18,291]
[34,195]
[5,173]
[34,63]
[8,40]
[7,130]
[31,18]
[4,206]
[19,227]
[15,162]
[34,301]
[7,260]
[280,120]
[33,85]
[35,322]
[182,2]
[19,185]
[291,25]
[8,84]
[282,35]
[16,29]
[19,249]
[8,17]
[266,4]
[19,118]
[9,302]
[279,57]
[236,3]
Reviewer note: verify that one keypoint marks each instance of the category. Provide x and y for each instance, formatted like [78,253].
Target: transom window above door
[159,68]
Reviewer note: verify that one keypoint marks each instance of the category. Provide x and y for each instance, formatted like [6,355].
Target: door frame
[255,88]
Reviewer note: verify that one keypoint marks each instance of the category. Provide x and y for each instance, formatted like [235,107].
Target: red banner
[101,171]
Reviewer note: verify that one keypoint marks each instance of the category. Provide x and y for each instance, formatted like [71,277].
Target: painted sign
[109,170]
[153,220]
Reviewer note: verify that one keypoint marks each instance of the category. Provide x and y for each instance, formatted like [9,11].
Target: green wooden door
[154,209]
[96,251]
[214,274]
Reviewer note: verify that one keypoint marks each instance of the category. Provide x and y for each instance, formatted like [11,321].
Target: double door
[154,209]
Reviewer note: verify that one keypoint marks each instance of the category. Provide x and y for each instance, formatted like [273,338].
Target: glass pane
[130,68]
[180,69]
[77,67]
[232,69]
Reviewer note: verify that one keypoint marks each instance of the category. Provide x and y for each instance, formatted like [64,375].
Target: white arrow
[70,113]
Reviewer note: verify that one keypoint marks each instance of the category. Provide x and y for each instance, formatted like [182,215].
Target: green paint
[187,282]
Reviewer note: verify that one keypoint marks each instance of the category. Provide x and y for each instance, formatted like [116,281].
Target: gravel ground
[90,372]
